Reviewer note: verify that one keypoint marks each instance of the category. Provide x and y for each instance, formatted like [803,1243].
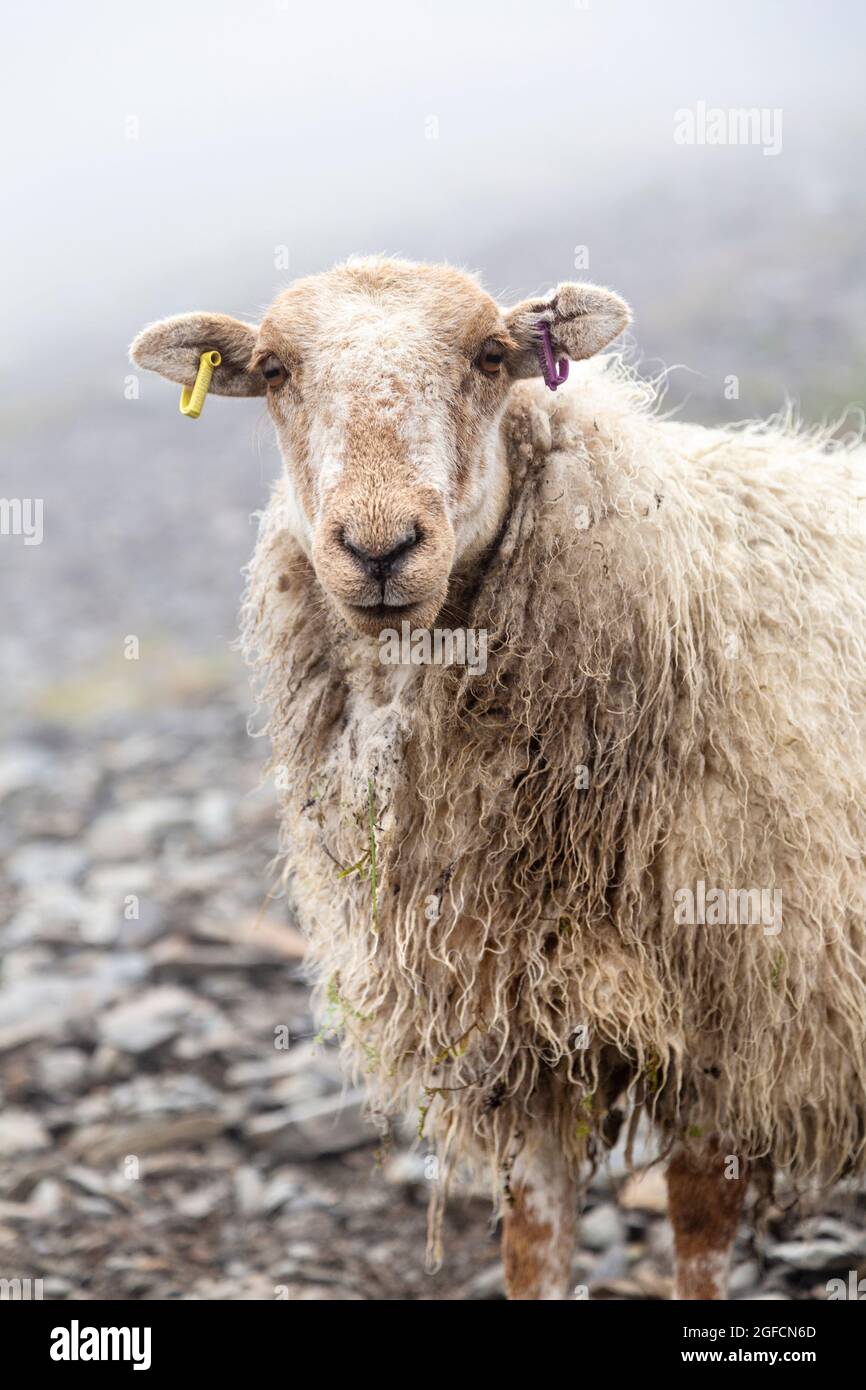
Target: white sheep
[617,866]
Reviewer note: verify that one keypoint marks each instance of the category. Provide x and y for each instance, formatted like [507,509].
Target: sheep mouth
[384,612]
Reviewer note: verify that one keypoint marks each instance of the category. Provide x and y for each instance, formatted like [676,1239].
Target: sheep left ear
[173,347]
[582,320]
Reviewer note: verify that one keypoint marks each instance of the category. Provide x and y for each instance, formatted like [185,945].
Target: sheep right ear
[174,346]
[582,320]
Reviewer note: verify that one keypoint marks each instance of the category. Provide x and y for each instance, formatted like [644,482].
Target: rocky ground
[169,1128]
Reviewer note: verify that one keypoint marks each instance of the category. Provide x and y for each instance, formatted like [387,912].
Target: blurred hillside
[204,155]
[148,518]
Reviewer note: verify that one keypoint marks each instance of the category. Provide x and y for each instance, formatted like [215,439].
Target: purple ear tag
[554,373]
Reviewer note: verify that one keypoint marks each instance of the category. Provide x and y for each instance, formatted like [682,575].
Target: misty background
[202,155]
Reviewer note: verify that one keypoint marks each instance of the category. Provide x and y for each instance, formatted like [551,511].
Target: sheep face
[389,386]
[386,382]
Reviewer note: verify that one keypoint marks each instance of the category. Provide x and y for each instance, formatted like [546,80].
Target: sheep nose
[379,564]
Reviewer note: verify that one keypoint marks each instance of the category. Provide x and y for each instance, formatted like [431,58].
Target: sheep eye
[490,360]
[273,371]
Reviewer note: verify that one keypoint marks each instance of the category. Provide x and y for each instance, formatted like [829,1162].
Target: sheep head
[386,382]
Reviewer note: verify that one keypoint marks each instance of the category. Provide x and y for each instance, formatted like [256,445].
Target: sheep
[615,871]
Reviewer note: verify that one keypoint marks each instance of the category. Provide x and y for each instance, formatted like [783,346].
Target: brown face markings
[472,412]
[385,421]
[296,433]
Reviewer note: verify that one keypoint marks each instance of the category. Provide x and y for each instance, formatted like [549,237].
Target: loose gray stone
[314,1128]
[46,861]
[21,1132]
[249,1190]
[23,765]
[42,1006]
[601,1227]
[139,1024]
[61,1068]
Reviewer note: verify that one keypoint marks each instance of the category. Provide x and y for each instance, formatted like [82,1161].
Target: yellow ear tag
[192,402]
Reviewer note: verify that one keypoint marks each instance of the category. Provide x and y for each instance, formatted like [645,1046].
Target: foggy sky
[266,125]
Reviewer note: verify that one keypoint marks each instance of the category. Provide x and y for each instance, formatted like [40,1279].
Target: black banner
[81,1339]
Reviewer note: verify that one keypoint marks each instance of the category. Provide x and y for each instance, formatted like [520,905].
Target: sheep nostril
[379,564]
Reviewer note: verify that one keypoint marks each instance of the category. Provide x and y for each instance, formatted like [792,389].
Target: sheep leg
[538,1225]
[705,1205]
